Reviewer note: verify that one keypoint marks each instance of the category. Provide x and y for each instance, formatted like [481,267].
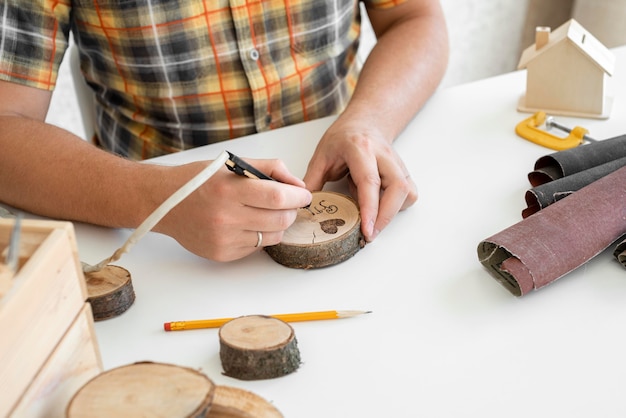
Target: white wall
[604,19]
[485,37]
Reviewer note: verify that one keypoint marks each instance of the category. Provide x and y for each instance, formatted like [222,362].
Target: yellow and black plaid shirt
[175,74]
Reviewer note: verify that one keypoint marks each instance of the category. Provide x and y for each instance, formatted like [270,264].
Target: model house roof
[577,36]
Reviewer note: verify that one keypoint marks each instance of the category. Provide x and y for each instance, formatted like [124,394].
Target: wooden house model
[566,74]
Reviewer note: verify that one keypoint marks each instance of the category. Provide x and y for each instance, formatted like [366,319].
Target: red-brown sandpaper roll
[556,240]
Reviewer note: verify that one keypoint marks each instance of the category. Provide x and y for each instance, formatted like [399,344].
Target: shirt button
[268,119]
[254,54]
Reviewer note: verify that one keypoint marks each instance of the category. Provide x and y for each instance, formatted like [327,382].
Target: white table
[444,339]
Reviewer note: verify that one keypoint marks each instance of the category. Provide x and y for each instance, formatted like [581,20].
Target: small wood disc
[144,390]
[325,233]
[258,347]
[110,292]
[230,402]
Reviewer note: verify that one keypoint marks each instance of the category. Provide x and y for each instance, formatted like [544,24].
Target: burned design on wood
[322,207]
[324,233]
[330,226]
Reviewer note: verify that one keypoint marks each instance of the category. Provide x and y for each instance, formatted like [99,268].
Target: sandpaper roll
[556,240]
[546,194]
[565,163]
[620,252]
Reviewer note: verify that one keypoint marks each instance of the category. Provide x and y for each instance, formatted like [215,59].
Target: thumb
[314,179]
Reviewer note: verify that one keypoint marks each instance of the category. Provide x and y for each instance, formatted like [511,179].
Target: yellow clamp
[528,129]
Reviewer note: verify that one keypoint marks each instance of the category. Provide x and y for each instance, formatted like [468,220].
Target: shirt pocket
[325,27]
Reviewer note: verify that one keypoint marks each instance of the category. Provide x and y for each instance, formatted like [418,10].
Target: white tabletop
[445,339]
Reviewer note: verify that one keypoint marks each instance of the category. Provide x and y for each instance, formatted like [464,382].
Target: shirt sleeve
[382,4]
[33,39]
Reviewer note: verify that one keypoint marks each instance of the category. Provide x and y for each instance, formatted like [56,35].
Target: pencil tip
[348,314]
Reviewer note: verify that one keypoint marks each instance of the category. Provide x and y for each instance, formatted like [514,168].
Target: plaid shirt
[175,74]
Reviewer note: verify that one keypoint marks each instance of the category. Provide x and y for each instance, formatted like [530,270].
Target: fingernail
[371,232]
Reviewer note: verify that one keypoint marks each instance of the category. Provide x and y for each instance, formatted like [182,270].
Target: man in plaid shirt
[170,75]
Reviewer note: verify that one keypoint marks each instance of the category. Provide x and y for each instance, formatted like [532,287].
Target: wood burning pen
[242,168]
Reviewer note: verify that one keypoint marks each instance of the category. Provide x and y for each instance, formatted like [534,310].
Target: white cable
[158,214]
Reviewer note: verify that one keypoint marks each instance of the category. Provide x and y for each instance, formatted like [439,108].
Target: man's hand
[220,220]
[401,72]
[378,178]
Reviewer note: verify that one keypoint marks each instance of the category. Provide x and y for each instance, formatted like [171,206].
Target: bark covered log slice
[325,233]
[230,402]
[144,390]
[258,347]
[110,292]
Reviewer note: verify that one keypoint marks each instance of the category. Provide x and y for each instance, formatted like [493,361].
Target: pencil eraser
[167,326]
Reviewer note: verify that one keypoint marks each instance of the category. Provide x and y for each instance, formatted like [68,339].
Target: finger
[272,195]
[413,194]
[271,221]
[367,181]
[262,239]
[398,191]
[314,178]
[277,170]
[241,245]
[397,196]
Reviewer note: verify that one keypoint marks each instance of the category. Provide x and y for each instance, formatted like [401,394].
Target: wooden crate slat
[75,361]
[46,296]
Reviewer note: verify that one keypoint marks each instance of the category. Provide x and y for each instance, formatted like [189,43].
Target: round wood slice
[257,347]
[230,402]
[144,390]
[110,292]
[325,233]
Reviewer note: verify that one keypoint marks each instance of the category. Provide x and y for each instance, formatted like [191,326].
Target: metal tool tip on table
[552,123]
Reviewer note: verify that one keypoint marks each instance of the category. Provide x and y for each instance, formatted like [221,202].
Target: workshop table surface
[444,338]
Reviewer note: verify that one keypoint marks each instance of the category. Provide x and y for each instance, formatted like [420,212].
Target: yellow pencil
[292,317]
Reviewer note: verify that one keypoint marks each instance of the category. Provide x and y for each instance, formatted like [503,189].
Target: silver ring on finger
[259,240]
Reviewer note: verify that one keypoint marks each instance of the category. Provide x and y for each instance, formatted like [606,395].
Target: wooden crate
[48,348]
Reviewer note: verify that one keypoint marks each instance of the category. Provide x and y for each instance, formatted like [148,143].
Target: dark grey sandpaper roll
[574,160]
[546,194]
[556,240]
[620,252]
